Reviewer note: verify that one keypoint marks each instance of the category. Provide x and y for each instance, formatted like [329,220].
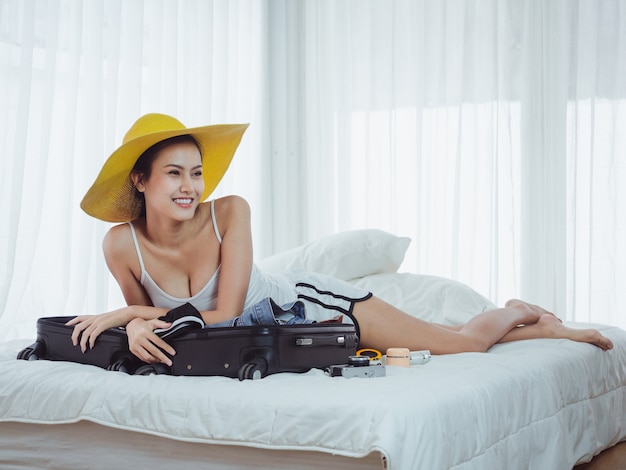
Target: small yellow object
[373,354]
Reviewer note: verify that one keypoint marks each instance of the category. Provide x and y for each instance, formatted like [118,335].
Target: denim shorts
[305,297]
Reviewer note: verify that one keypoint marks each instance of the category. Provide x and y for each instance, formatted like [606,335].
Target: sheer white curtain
[74,76]
[490,132]
[596,162]
[420,126]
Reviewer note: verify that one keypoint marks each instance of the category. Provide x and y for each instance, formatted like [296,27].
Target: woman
[176,249]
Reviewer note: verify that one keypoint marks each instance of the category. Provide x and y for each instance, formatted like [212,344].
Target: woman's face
[175,184]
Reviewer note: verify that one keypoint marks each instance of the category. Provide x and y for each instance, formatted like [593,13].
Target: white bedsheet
[532,404]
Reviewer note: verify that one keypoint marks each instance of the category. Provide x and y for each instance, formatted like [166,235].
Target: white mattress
[532,404]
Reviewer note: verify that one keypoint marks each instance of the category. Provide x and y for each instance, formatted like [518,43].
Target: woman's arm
[233,216]
[118,250]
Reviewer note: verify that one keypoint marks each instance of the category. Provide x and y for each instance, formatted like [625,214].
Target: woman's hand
[88,327]
[145,344]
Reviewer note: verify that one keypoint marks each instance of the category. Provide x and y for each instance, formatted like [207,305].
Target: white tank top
[261,285]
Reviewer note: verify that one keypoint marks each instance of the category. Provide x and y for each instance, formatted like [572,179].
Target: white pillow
[345,255]
[431,298]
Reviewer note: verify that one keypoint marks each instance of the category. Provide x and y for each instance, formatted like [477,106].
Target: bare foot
[554,328]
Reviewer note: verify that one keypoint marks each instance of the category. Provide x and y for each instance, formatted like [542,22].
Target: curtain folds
[490,132]
[74,77]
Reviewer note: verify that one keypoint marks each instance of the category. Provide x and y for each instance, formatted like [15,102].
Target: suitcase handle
[328,340]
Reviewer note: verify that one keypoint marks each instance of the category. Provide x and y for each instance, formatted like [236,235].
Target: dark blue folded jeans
[266,313]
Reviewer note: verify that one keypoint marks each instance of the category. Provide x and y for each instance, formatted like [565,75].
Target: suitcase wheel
[122,365]
[255,369]
[153,369]
[32,352]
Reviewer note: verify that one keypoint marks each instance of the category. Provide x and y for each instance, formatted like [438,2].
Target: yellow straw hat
[113,198]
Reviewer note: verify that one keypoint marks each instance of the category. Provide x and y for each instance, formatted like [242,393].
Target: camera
[358,366]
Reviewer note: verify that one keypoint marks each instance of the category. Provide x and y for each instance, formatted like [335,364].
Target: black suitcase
[54,343]
[246,352]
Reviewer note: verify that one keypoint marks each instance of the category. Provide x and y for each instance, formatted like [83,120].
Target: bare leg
[383,326]
[549,326]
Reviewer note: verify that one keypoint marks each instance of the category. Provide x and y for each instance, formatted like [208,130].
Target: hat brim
[112,196]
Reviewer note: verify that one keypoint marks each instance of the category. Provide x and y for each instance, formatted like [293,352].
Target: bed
[534,404]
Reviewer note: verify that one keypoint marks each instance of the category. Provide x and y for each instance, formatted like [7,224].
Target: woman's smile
[184,202]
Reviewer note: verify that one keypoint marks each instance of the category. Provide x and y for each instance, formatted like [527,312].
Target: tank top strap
[215,229]
[132,230]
